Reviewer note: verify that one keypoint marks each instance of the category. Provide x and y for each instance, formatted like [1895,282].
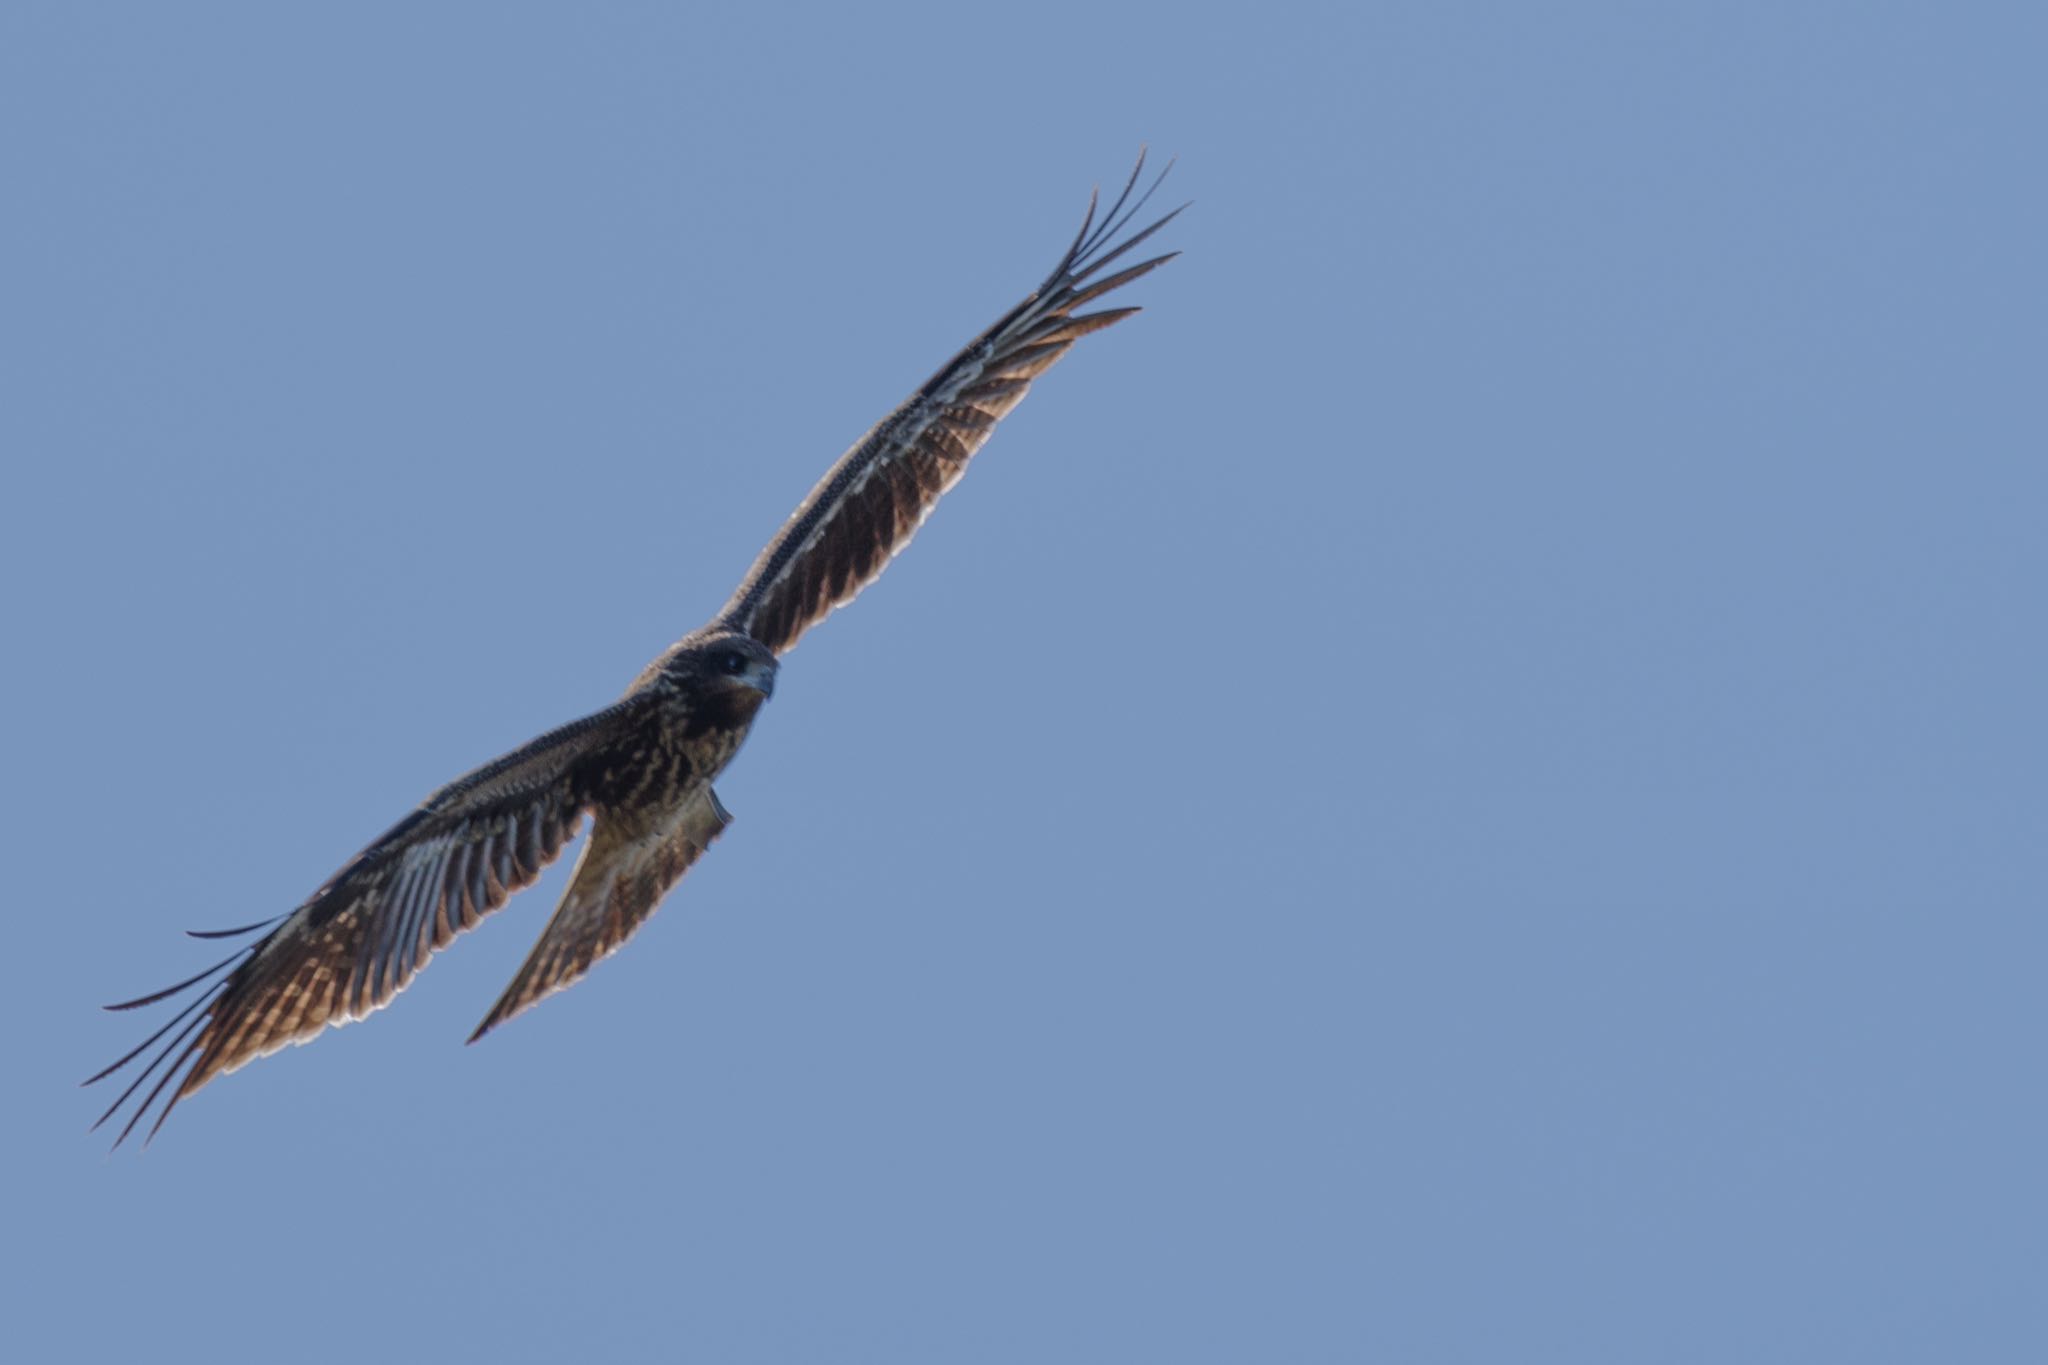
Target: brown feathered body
[641,769]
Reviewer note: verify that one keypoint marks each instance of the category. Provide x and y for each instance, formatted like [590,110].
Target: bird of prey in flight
[641,768]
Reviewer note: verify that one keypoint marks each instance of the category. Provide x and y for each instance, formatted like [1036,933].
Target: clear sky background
[1469,787]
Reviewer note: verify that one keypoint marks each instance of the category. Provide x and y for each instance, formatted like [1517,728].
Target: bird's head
[719,664]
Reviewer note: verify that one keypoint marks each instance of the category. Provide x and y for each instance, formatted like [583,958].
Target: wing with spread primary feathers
[873,500]
[361,938]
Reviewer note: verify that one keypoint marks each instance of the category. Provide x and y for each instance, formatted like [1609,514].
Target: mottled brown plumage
[642,768]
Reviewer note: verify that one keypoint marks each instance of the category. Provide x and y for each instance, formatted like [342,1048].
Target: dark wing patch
[874,499]
[618,881]
[361,938]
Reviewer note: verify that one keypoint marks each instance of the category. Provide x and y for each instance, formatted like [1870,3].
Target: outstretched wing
[873,500]
[618,881]
[361,938]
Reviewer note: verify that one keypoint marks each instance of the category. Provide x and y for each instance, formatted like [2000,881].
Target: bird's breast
[659,764]
[730,710]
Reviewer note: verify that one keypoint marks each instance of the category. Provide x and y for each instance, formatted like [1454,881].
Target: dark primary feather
[872,501]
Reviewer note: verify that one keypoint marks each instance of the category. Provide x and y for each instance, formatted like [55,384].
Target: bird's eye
[732,661]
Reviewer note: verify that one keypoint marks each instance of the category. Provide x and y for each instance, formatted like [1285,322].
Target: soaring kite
[642,768]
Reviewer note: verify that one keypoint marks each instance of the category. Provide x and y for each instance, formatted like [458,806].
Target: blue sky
[1468,787]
